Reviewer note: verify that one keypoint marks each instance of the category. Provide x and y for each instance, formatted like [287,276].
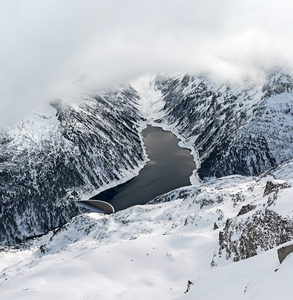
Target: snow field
[150,251]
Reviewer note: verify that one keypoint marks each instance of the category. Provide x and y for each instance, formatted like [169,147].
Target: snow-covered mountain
[237,212]
[234,129]
[62,153]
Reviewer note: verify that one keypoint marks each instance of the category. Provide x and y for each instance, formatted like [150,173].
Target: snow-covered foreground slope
[152,251]
[257,278]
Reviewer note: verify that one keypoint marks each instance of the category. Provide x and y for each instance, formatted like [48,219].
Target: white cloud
[48,45]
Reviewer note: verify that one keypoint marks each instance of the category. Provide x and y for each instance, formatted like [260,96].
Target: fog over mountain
[58,49]
[79,82]
[219,238]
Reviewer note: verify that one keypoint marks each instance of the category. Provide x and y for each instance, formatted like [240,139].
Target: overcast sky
[49,46]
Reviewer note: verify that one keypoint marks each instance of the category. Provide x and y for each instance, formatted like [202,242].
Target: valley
[231,219]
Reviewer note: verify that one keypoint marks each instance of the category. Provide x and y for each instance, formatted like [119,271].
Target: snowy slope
[152,251]
[62,154]
[260,277]
[183,240]
[233,129]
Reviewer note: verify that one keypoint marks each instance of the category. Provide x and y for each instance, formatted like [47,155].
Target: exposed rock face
[275,186]
[245,209]
[263,230]
[51,158]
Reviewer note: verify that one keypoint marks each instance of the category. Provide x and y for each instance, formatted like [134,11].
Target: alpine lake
[170,167]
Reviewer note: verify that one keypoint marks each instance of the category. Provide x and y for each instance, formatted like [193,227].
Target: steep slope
[67,151]
[257,278]
[242,129]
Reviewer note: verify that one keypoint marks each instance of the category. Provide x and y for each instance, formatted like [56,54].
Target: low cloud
[49,47]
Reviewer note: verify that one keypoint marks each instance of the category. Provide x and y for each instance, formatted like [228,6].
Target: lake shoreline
[169,167]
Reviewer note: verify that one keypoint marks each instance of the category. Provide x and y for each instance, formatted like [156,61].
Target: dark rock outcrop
[274,186]
[246,237]
[245,209]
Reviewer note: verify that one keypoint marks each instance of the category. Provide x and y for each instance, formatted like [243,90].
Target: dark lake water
[169,168]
